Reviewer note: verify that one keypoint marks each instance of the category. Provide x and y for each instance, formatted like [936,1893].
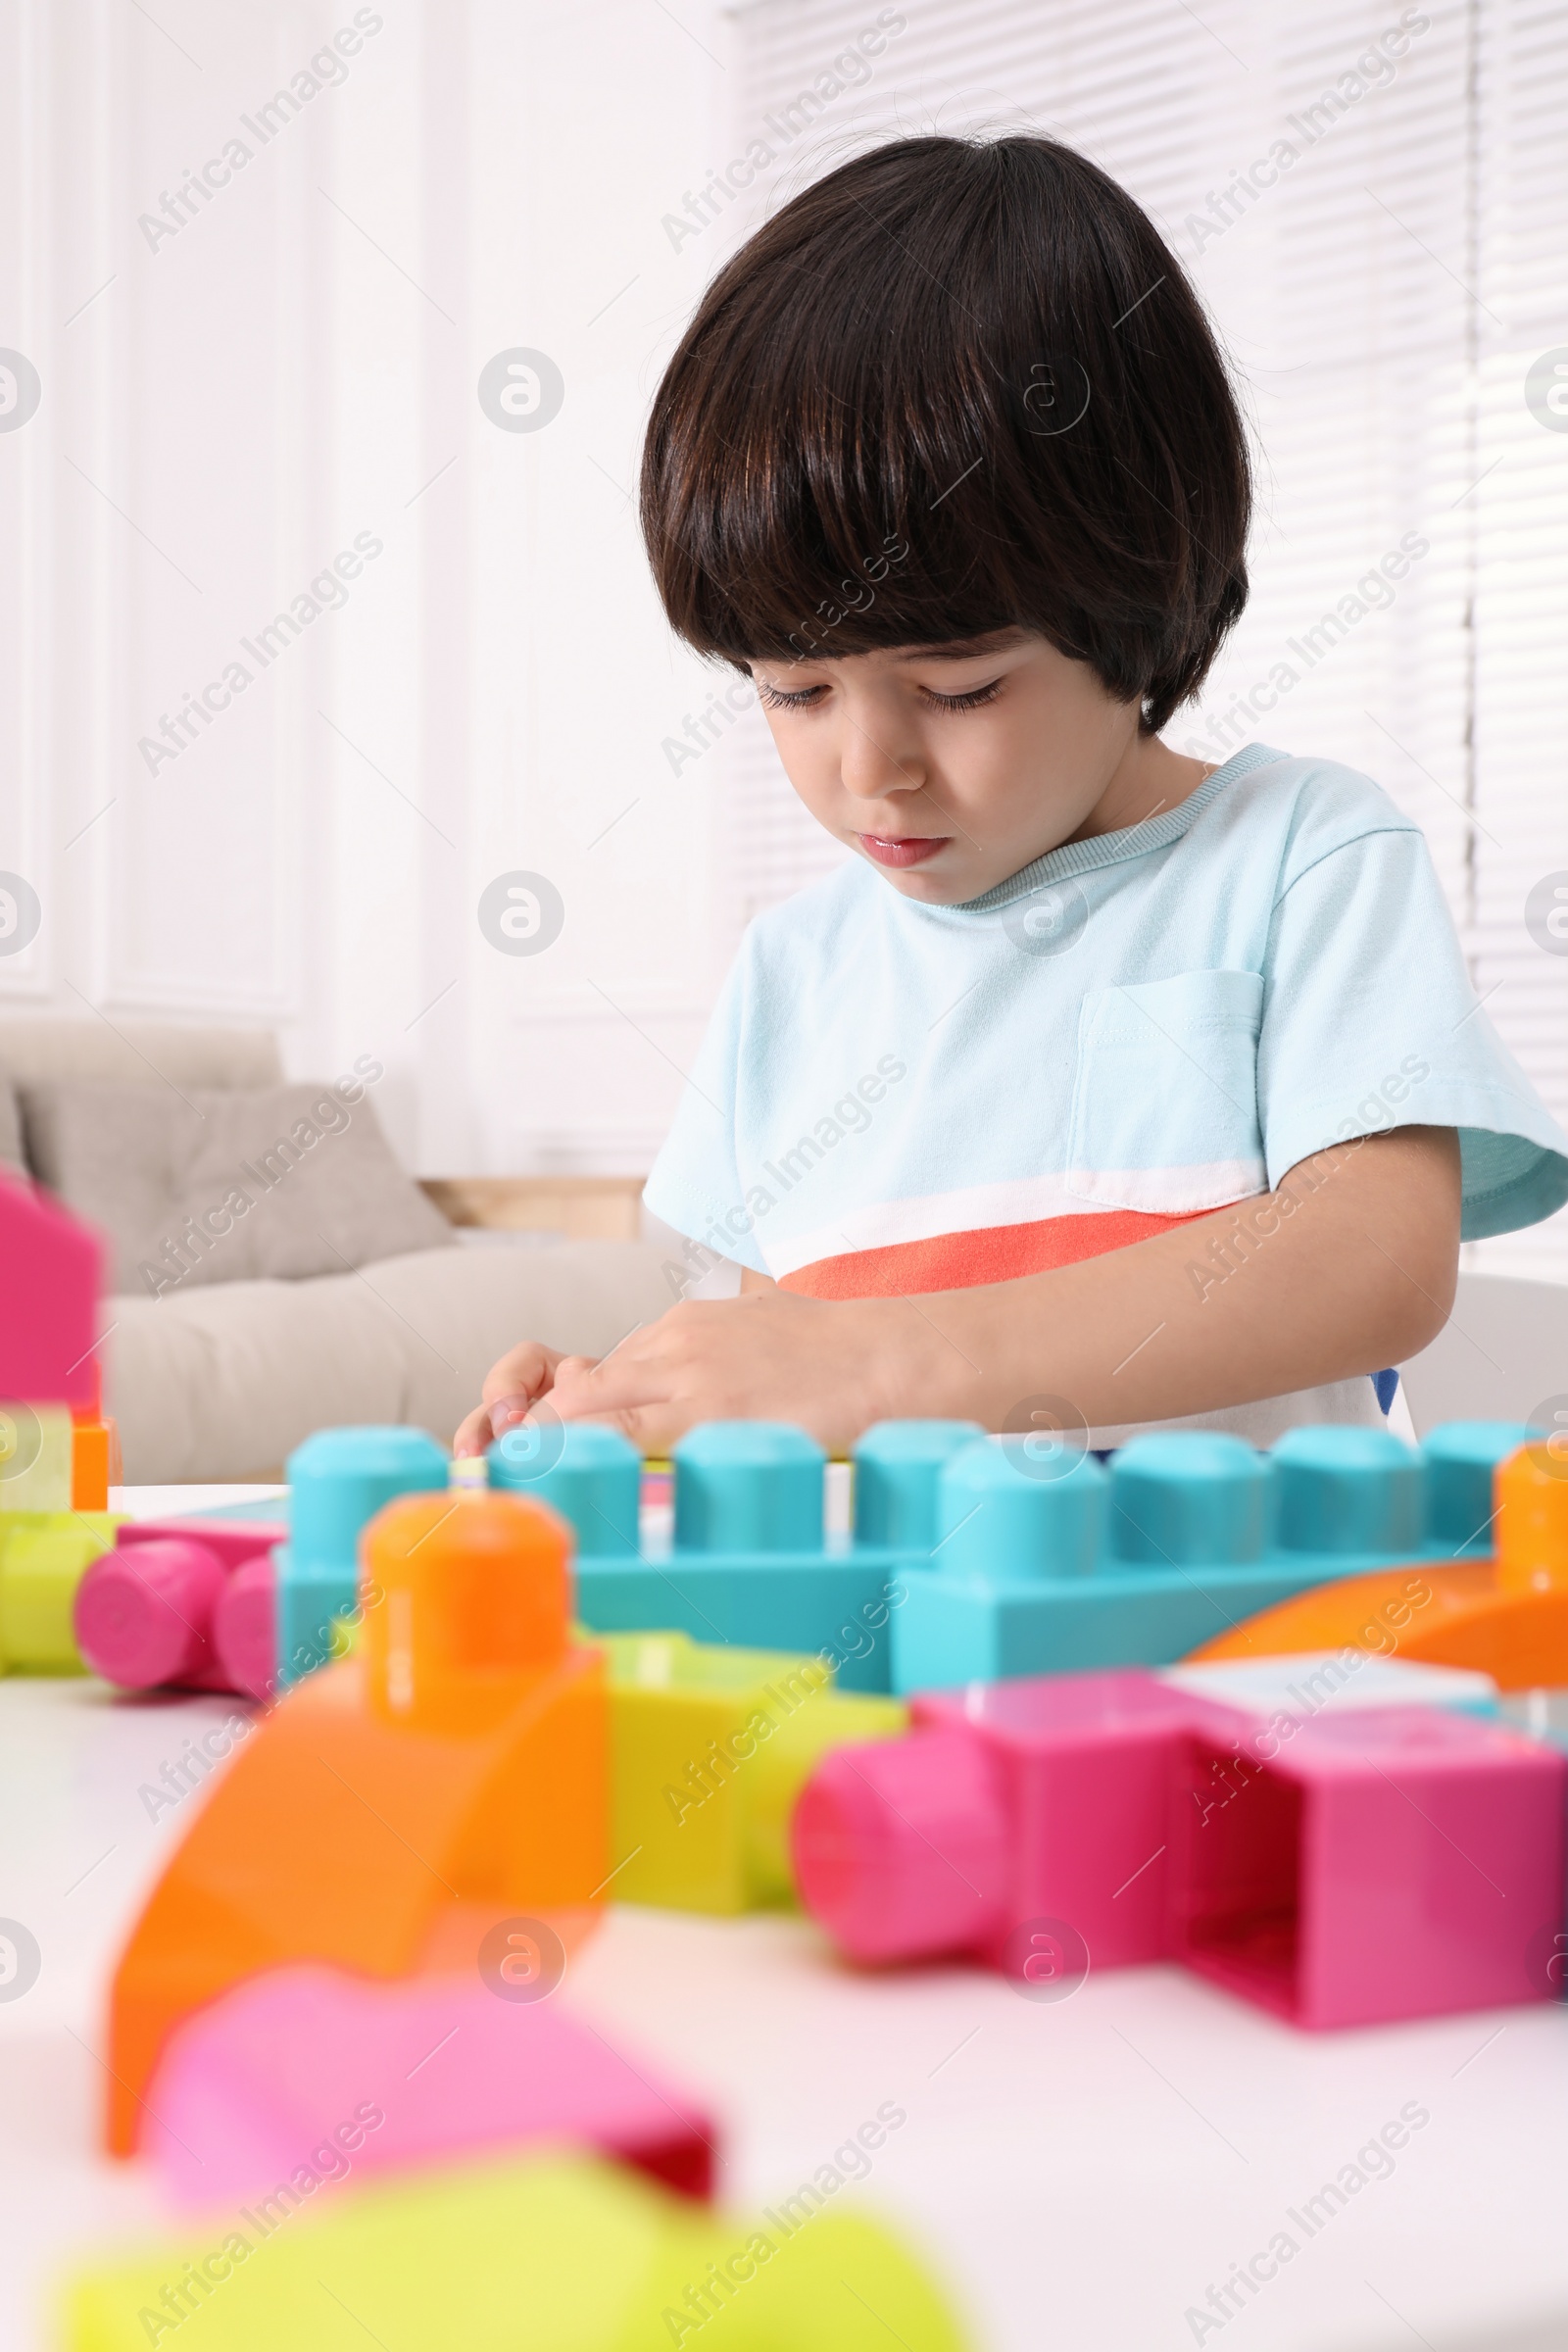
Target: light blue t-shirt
[1136,1029]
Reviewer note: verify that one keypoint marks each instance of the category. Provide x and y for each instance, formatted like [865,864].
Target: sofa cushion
[224,1382]
[209,1185]
[42,1046]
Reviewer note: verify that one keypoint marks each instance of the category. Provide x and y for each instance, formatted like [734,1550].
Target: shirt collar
[1109,848]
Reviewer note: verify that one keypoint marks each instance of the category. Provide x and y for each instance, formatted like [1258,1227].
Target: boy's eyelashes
[962,701]
[806,698]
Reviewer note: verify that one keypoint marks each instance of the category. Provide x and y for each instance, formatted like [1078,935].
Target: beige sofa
[222,1381]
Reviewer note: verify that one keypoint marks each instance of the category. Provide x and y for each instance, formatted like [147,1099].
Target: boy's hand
[1348,1264]
[831,1367]
[524,1375]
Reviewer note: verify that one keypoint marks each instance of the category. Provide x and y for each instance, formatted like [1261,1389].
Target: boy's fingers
[508,1411]
[475,1433]
[603,1392]
[525,1372]
[652,1428]
[512,1388]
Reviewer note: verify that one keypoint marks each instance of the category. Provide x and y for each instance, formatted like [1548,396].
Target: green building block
[43,1557]
[711,1745]
[559,2254]
[35,1458]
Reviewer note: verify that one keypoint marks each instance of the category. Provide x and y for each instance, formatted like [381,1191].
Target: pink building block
[50,1324]
[1376,1865]
[245,1626]
[160,1609]
[1008,1803]
[291,2068]
[1337,1869]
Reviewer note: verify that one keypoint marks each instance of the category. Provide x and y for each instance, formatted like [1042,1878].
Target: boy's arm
[1347,1266]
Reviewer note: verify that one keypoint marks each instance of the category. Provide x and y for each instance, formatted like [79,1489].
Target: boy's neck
[1148,779]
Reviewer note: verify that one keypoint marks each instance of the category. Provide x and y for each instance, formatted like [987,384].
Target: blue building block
[1461,1458]
[587,1473]
[1045,1568]
[897,1474]
[338,1480]
[972,1558]
[749,1563]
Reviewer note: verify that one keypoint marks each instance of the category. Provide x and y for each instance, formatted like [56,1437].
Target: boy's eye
[962,701]
[774,698]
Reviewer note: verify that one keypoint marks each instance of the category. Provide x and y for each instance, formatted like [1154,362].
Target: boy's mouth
[902,849]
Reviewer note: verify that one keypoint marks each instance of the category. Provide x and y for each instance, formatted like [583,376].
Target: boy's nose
[874,762]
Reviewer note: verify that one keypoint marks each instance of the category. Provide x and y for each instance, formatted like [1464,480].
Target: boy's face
[950,769]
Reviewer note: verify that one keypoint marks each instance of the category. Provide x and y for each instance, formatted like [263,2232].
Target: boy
[1100,1088]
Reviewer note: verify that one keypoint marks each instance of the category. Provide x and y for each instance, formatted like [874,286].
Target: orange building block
[1506,1616]
[95,1464]
[393,1807]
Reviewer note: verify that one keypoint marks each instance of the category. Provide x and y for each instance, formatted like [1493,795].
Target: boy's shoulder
[1309,804]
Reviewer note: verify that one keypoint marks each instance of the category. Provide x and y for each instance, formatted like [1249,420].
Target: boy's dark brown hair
[955,386]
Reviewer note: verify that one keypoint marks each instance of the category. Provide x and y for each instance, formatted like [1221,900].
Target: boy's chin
[933,889]
[924,881]
[947,881]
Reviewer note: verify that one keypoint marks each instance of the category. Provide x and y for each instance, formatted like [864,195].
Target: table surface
[1081,2173]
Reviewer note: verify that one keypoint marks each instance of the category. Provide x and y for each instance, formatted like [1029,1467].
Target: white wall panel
[237,401]
[29,932]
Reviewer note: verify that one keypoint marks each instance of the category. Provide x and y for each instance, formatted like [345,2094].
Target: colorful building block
[551,2252]
[392,1808]
[44,1556]
[1382,1864]
[36,1472]
[154,1609]
[709,1748]
[95,1464]
[245,1626]
[1505,1616]
[1183,1535]
[1052,1826]
[338,1480]
[47,1333]
[1014,1802]
[279,2066]
[898,1481]
[1337,1679]
[587,1473]
[749,1563]
[54,1476]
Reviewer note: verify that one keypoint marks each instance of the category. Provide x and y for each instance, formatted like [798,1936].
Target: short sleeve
[695,1184]
[1370,1022]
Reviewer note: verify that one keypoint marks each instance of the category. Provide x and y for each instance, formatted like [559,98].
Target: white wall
[224,410]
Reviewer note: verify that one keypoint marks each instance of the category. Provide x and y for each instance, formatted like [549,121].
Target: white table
[1081,2173]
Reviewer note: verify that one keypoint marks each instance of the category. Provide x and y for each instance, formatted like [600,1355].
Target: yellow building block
[43,1557]
[576,2256]
[711,1745]
[35,1457]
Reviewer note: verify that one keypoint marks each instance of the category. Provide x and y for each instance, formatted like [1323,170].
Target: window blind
[1373,201]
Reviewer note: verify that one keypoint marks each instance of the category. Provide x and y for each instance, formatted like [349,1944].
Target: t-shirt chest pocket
[1164,1106]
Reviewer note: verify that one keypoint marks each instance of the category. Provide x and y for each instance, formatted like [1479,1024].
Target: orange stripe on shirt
[960,1262]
